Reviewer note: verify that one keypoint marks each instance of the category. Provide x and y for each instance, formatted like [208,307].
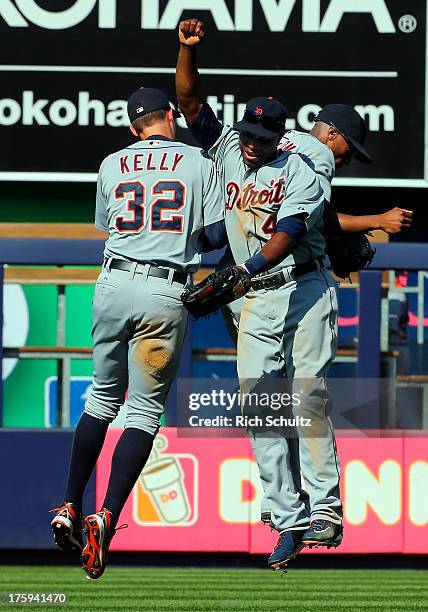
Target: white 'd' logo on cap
[140,109]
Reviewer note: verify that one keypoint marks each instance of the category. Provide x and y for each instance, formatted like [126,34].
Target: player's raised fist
[191,32]
[396,220]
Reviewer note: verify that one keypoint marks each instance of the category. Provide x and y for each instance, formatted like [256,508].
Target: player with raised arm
[337,136]
[274,220]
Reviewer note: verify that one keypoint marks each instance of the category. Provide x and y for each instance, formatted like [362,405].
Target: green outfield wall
[26,387]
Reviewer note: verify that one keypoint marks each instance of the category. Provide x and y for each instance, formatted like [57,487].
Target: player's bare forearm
[187,79]
[391,222]
[358,223]
[277,248]
[187,84]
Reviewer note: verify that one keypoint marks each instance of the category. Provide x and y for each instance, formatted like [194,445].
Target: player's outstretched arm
[394,221]
[187,82]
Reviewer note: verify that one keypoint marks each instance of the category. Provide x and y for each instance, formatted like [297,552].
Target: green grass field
[186,590]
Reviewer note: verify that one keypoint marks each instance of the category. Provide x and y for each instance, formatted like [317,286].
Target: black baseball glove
[349,253]
[217,290]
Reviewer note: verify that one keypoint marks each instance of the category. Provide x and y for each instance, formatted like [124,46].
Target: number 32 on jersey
[167,198]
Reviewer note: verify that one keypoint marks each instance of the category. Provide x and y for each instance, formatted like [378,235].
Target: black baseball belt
[140,268]
[278,279]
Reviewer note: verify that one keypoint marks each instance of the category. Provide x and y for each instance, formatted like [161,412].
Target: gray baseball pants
[138,328]
[292,331]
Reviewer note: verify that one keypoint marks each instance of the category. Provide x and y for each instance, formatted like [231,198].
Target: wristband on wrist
[244,267]
[256,264]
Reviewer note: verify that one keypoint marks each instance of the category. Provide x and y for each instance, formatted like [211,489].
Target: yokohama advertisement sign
[68,71]
[199,494]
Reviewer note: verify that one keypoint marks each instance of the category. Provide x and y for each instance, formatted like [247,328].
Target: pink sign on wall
[204,495]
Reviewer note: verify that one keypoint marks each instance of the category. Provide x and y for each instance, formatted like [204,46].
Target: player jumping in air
[274,220]
[160,202]
[291,329]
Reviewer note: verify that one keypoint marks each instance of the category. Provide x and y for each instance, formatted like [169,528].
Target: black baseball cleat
[323,533]
[289,544]
[99,532]
[265,518]
[67,527]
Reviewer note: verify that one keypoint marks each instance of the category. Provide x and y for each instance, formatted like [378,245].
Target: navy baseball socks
[323,533]
[87,444]
[129,458]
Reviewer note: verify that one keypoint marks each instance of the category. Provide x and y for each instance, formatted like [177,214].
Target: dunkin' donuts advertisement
[203,494]
[167,489]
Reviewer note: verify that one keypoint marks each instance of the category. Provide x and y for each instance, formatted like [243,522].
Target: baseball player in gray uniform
[160,202]
[337,137]
[274,220]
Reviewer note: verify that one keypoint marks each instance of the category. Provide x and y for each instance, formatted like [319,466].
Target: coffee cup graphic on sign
[163,479]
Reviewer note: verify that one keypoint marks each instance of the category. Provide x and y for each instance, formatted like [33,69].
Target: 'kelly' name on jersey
[141,162]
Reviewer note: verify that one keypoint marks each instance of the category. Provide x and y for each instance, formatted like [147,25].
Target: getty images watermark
[257,409]
[225,408]
[278,407]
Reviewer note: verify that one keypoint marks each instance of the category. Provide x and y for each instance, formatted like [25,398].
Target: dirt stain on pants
[153,356]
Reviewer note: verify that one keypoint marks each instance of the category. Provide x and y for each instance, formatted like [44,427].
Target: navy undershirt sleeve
[207,128]
[214,236]
[294,226]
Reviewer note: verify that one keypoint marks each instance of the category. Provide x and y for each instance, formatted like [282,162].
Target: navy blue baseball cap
[263,117]
[350,124]
[146,100]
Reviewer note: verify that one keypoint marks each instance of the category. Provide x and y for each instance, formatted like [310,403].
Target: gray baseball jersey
[316,154]
[257,199]
[154,198]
